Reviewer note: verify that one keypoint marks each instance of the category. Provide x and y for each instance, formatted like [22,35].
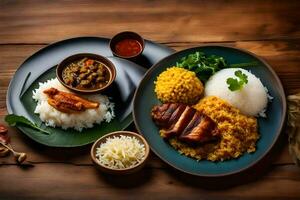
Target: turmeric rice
[178,85]
[239,132]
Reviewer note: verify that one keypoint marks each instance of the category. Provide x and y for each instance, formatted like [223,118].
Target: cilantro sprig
[237,83]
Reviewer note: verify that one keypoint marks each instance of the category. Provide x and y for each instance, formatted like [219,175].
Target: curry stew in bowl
[86,73]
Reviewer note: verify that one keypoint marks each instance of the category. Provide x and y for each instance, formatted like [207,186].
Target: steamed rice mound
[78,121]
[238,132]
[251,100]
[178,85]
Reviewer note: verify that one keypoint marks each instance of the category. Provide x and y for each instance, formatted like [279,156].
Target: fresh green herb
[13,120]
[237,83]
[205,66]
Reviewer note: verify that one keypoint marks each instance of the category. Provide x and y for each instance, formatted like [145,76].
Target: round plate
[269,128]
[41,67]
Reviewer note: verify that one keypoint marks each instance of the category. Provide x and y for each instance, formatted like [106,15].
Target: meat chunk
[67,102]
[178,126]
[184,122]
[162,113]
[203,129]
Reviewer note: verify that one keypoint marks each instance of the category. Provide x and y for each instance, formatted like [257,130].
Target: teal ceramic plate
[269,128]
[41,67]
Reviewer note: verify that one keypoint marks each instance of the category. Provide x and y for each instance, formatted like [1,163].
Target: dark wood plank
[61,181]
[42,21]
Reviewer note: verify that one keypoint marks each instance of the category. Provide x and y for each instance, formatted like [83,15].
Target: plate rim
[50,45]
[278,132]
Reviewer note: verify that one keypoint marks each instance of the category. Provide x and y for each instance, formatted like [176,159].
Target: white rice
[86,119]
[251,100]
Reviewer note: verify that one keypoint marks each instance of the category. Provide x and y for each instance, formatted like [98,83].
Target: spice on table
[20,157]
[6,147]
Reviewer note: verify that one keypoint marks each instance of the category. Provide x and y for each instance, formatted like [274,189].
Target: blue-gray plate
[41,67]
[269,128]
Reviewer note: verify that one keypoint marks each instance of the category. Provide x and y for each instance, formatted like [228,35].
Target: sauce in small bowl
[128,45]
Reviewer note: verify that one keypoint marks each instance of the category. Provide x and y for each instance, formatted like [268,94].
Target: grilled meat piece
[178,126]
[185,122]
[203,130]
[158,113]
[67,102]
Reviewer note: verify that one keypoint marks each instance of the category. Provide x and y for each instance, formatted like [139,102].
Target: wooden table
[269,29]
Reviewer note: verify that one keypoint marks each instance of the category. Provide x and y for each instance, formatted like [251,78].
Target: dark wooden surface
[268,28]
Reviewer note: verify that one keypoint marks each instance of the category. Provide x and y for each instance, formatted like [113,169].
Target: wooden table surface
[269,29]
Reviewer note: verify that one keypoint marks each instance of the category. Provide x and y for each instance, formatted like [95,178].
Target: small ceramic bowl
[61,66]
[126,35]
[119,171]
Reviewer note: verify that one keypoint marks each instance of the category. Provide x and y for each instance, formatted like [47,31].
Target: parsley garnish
[237,83]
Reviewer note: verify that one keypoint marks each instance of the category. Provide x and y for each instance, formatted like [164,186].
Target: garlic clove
[20,157]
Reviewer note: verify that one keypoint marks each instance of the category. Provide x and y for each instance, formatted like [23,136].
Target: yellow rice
[239,132]
[178,85]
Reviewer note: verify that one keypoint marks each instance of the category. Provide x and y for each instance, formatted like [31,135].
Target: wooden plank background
[269,29]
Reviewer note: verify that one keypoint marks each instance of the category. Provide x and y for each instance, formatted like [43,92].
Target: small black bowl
[126,35]
[61,66]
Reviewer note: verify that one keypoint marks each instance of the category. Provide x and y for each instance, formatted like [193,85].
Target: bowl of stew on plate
[127,45]
[86,73]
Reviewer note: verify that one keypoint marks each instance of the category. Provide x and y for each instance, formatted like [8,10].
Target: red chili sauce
[128,47]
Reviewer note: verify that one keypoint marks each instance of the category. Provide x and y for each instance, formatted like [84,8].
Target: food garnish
[14,120]
[207,65]
[86,74]
[237,83]
[68,102]
[120,152]
[20,157]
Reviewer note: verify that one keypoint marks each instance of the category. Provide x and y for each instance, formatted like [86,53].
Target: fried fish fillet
[67,102]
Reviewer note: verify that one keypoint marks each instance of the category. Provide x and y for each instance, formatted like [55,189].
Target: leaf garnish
[207,65]
[238,83]
[14,120]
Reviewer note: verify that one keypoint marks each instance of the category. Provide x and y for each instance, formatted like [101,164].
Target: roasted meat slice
[184,122]
[158,114]
[178,126]
[201,129]
[176,114]
[67,102]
